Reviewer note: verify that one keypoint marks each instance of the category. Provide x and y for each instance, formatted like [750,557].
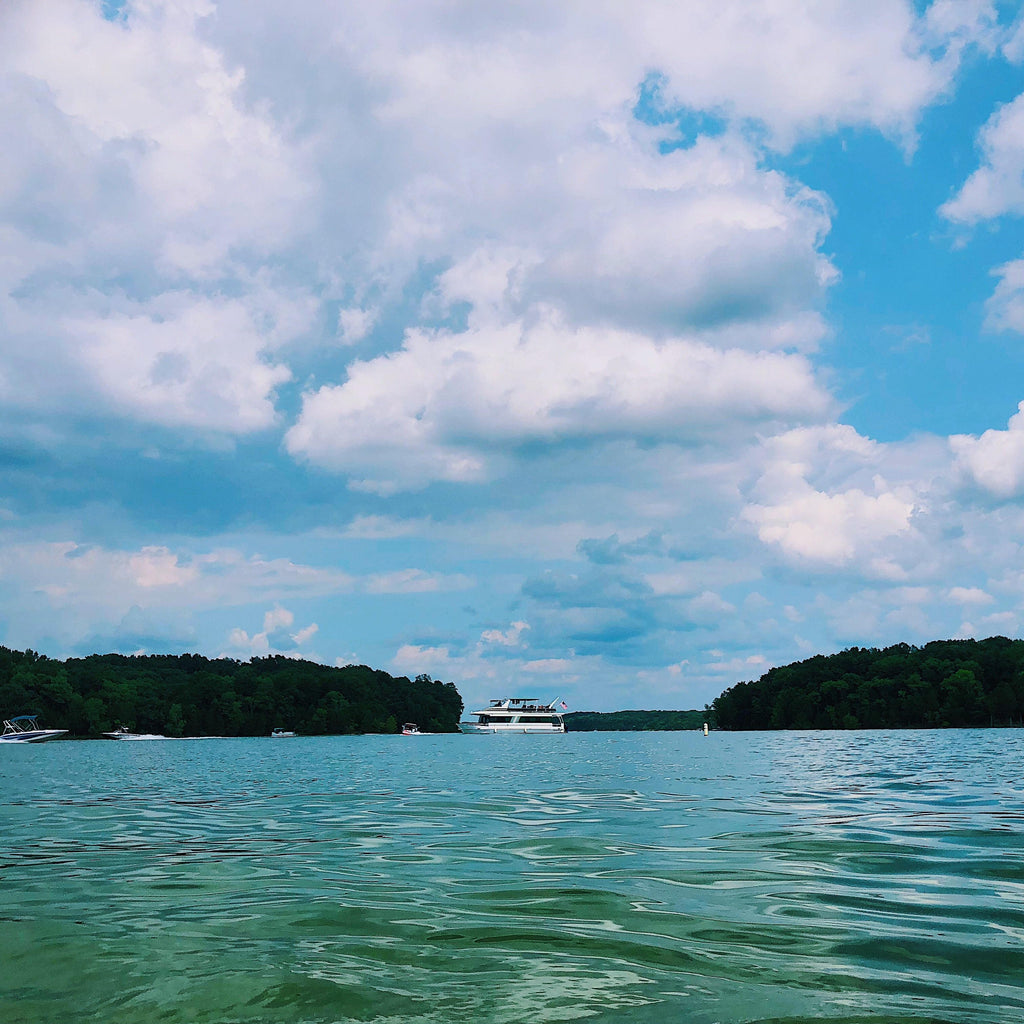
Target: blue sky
[614,353]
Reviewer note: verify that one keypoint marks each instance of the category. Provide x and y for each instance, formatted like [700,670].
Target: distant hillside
[189,695]
[634,721]
[945,683]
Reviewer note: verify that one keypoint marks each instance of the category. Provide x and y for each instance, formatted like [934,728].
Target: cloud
[90,588]
[612,551]
[275,638]
[181,361]
[1005,309]
[997,186]
[839,523]
[414,581]
[995,460]
[438,409]
[512,637]
[970,596]
[140,199]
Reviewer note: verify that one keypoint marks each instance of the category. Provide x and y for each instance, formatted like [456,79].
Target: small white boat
[25,729]
[411,729]
[281,734]
[516,714]
[124,733]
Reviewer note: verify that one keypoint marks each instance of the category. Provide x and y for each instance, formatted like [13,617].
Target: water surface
[862,877]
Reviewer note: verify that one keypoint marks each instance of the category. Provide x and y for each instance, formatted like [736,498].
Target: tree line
[634,721]
[189,695]
[942,684]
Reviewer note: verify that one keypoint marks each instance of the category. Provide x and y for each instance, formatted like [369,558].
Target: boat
[25,729]
[411,729]
[281,734]
[124,733]
[516,714]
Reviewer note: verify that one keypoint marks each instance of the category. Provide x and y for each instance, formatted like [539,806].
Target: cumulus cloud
[995,460]
[181,361]
[561,239]
[433,410]
[276,637]
[997,186]
[1005,308]
[139,200]
[836,524]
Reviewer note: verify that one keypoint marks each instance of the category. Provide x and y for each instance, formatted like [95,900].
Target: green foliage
[189,695]
[945,683]
[635,721]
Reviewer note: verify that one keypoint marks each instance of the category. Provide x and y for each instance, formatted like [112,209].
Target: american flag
[564,705]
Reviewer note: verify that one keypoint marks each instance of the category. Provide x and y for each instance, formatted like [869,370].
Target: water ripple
[849,877]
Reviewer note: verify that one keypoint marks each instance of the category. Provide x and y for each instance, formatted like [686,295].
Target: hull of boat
[35,736]
[534,729]
[133,736]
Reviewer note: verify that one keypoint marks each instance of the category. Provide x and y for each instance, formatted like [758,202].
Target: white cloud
[1005,309]
[512,637]
[355,323]
[275,638]
[435,409]
[995,460]
[181,361]
[860,61]
[93,588]
[1013,46]
[838,523]
[550,666]
[277,618]
[970,596]
[831,528]
[997,186]
[139,200]
[413,659]
[415,581]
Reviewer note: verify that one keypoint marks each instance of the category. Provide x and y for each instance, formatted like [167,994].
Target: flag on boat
[564,705]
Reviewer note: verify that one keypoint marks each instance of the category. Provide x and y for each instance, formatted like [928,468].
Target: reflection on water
[859,877]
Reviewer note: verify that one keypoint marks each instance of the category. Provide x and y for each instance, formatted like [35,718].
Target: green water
[858,877]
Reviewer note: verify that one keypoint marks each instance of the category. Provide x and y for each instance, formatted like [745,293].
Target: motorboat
[411,729]
[281,734]
[517,714]
[124,733]
[25,729]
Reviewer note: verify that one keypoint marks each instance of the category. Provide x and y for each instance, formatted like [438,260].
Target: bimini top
[23,729]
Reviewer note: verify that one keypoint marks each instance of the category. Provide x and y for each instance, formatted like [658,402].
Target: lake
[610,877]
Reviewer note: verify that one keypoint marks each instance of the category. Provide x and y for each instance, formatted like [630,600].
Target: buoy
[705,728]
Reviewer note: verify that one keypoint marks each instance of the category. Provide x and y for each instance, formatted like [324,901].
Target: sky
[597,351]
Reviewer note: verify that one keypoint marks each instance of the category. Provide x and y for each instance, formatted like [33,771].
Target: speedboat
[411,729]
[516,714]
[25,729]
[281,734]
[124,733]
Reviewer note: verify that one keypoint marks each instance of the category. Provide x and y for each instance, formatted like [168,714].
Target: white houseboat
[516,714]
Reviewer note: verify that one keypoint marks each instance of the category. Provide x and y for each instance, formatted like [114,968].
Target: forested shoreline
[634,721]
[189,695]
[946,683]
